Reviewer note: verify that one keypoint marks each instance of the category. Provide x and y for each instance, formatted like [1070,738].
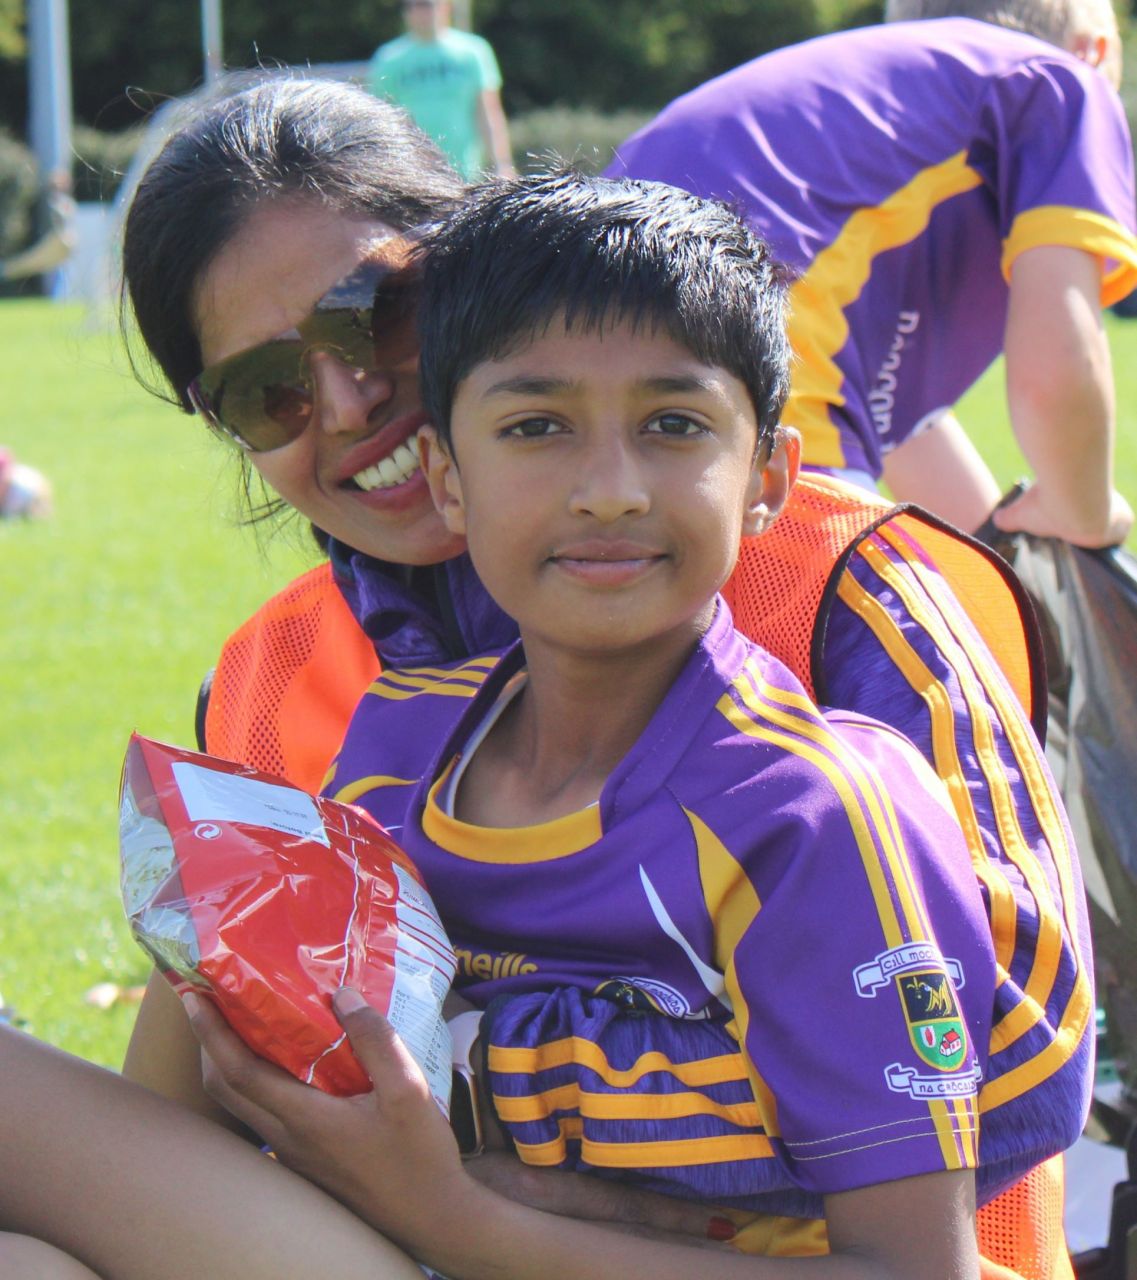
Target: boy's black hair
[600,251]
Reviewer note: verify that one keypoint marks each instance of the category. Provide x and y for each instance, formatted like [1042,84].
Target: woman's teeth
[396,468]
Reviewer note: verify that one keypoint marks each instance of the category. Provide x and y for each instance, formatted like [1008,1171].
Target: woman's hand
[389,1155]
[333,1141]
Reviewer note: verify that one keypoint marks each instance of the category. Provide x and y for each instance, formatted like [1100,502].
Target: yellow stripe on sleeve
[544,1155]
[732,905]
[1075,1016]
[875,616]
[678,1153]
[877,798]
[860,790]
[949,1127]
[623,1106]
[1022,742]
[1096,233]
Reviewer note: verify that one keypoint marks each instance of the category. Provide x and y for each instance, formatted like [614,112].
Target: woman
[248,219]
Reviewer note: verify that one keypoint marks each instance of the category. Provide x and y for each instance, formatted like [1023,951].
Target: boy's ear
[774,476]
[443,480]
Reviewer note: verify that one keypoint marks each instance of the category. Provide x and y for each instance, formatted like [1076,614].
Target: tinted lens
[370,314]
[394,310]
[263,396]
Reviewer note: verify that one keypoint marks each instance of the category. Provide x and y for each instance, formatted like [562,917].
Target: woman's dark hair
[280,138]
[599,251]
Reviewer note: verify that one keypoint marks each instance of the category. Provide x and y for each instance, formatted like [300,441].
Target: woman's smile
[354,470]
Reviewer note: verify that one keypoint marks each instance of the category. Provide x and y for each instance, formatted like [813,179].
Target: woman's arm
[495,132]
[389,1155]
[137,1188]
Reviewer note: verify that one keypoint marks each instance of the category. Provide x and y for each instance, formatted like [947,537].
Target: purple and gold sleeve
[863,983]
[897,643]
[1055,150]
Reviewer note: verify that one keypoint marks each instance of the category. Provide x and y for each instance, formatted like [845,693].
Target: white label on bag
[211,796]
[424,970]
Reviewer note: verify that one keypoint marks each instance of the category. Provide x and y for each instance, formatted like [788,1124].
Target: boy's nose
[346,396]
[610,484]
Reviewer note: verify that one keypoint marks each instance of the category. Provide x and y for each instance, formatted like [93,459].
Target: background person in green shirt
[449,81]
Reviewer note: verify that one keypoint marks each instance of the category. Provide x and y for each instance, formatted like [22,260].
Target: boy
[636,802]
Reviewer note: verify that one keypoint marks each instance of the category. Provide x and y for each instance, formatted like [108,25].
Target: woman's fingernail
[191,1004]
[348,1000]
[721,1229]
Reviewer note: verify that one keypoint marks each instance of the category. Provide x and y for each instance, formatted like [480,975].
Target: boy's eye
[532,428]
[675,424]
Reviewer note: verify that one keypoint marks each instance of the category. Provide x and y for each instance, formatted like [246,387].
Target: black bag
[1087,610]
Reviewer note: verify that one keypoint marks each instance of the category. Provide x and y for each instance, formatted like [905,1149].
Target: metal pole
[49,88]
[211,39]
[49,127]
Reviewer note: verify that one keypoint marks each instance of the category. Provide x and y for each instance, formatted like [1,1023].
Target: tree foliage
[624,53]
[13,43]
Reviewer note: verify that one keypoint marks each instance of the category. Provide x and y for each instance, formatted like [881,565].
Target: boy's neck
[579,715]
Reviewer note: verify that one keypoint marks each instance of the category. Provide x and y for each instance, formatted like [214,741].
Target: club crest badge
[934,1022]
[926,984]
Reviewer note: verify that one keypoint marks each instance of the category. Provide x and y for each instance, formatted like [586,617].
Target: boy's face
[603,482]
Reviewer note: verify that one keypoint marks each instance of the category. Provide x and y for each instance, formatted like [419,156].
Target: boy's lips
[603,563]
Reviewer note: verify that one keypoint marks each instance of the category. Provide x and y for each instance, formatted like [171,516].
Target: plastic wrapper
[267,900]
[1086,603]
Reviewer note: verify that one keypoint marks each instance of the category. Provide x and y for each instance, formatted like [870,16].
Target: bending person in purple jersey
[944,193]
[635,799]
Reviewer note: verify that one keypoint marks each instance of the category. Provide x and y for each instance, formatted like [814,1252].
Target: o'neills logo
[490,965]
[882,398]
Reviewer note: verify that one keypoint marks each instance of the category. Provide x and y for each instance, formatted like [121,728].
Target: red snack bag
[267,900]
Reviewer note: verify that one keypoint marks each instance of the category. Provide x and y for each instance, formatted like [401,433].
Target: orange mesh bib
[1021,1233]
[288,680]
[776,588]
[778,585]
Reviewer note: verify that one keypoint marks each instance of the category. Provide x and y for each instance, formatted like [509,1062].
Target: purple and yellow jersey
[762,874]
[900,170]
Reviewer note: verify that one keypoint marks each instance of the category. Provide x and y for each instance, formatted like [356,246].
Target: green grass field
[114,612]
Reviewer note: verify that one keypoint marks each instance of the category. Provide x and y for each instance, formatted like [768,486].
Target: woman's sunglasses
[263,397]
